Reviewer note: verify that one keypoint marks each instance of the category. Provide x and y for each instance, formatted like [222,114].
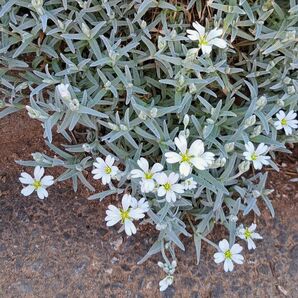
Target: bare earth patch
[62,248]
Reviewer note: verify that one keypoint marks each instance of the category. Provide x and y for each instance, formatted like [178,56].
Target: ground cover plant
[174,106]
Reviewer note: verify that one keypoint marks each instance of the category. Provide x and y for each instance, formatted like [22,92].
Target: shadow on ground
[61,247]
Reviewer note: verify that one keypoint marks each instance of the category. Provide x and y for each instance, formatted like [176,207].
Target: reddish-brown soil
[61,247]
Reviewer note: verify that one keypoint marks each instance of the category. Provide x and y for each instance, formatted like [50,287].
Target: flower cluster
[229,254]
[131,210]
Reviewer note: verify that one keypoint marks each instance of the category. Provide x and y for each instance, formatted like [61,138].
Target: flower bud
[38,6]
[291,90]
[229,147]
[74,105]
[143,24]
[153,112]
[191,54]
[287,80]
[261,102]
[160,227]
[33,114]
[86,147]
[186,120]
[63,91]
[256,193]
[192,88]
[250,121]
[257,131]
[244,166]
[142,115]
[173,34]
[280,102]
[86,30]
[210,121]
[161,43]
[38,157]
[113,126]
[123,127]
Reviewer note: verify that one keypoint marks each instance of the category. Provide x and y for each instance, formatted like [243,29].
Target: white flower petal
[185,169]
[172,157]
[143,164]
[157,167]
[224,245]
[38,172]
[126,201]
[219,257]
[181,143]
[236,248]
[47,180]
[199,28]
[27,191]
[26,178]
[196,148]
[218,42]
[214,33]
[206,49]
[42,193]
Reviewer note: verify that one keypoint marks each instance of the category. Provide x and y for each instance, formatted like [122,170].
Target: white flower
[147,175]
[169,186]
[194,156]
[140,207]
[164,283]
[125,214]
[228,255]
[37,183]
[286,122]
[248,234]
[63,91]
[206,40]
[256,156]
[189,184]
[105,169]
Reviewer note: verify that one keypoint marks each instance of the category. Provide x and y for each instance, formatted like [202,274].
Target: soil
[61,247]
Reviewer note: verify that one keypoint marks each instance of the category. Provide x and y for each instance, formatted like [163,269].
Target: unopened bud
[261,102]
[74,105]
[186,120]
[257,131]
[153,112]
[143,25]
[229,147]
[123,127]
[161,43]
[86,147]
[250,121]
[291,90]
[142,115]
[113,126]
[63,91]
[244,166]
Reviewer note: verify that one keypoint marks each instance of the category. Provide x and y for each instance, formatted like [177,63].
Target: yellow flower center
[284,122]
[148,175]
[167,186]
[36,184]
[124,215]
[247,234]
[203,40]
[108,170]
[254,156]
[228,255]
[185,157]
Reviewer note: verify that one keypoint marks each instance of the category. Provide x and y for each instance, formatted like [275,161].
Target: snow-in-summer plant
[174,106]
